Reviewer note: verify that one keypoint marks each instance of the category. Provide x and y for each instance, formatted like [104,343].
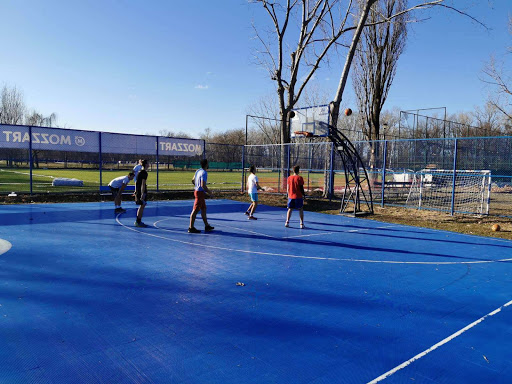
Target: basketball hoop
[303,133]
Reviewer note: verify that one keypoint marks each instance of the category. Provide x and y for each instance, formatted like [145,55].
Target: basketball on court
[348,112]
[496,228]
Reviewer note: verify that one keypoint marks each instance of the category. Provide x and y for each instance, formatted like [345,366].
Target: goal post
[459,191]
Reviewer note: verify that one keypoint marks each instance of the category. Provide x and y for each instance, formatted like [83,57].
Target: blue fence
[31,158]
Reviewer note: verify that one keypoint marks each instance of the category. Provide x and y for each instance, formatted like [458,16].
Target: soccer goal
[462,191]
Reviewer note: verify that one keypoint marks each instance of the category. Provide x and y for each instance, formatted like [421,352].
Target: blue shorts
[253,196]
[295,203]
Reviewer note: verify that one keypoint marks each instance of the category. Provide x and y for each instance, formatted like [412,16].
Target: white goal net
[466,191]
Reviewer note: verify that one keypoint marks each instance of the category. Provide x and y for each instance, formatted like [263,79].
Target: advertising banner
[57,139]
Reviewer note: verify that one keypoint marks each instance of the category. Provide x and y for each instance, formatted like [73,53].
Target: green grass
[19,179]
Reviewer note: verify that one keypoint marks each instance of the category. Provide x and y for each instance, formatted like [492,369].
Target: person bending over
[117,187]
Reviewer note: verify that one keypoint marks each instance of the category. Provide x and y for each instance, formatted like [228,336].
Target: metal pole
[243,168]
[399,124]
[444,124]
[488,195]
[157,163]
[383,173]
[452,209]
[30,156]
[100,160]
[246,124]
[288,160]
[331,184]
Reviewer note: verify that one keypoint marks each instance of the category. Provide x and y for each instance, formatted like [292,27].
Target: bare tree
[302,33]
[463,126]
[488,119]
[375,64]
[362,23]
[206,135]
[38,119]
[230,137]
[168,133]
[264,124]
[376,61]
[499,76]
[12,107]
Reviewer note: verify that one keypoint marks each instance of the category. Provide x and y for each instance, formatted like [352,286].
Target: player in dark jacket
[141,193]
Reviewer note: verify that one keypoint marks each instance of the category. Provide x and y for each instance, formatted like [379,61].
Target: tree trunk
[335,105]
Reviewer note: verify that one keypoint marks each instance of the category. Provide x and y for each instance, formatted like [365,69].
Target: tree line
[13,110]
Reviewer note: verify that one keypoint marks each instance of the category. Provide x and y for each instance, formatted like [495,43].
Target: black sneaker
[252,218]
[140,225]
[208,228]
[193,230]
[247,213]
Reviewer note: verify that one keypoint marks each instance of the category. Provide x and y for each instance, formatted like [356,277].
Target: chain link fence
[54,160]
[34,159]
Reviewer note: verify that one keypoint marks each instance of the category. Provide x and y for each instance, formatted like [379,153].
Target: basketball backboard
[309,121]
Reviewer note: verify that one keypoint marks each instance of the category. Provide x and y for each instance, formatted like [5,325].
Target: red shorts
[200,202]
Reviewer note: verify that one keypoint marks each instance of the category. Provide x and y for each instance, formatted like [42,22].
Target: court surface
[85,297]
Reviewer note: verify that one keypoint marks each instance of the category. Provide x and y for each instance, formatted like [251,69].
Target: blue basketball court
[86,297]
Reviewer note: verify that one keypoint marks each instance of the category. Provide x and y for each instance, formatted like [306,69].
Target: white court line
[217,225]
[435,346]
[330,233]
[246,230]
[270,236]
[306,257]
[313,234]
[4,246]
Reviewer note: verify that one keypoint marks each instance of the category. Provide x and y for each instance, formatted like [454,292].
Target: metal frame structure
[355,175]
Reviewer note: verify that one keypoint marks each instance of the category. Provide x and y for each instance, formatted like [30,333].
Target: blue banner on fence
[57,139]
[48,139]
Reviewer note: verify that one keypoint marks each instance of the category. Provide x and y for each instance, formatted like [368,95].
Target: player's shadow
[295,243]
[387,233]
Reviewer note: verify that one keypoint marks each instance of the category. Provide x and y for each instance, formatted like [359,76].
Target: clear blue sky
[141,67]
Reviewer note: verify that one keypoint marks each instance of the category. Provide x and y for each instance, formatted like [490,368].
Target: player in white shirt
[252,189]
[117,187]
[137,169]
[200,190]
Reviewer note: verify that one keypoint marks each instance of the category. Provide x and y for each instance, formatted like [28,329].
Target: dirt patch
[429,219]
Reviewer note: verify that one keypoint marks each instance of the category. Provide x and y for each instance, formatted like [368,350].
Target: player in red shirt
[296,196]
